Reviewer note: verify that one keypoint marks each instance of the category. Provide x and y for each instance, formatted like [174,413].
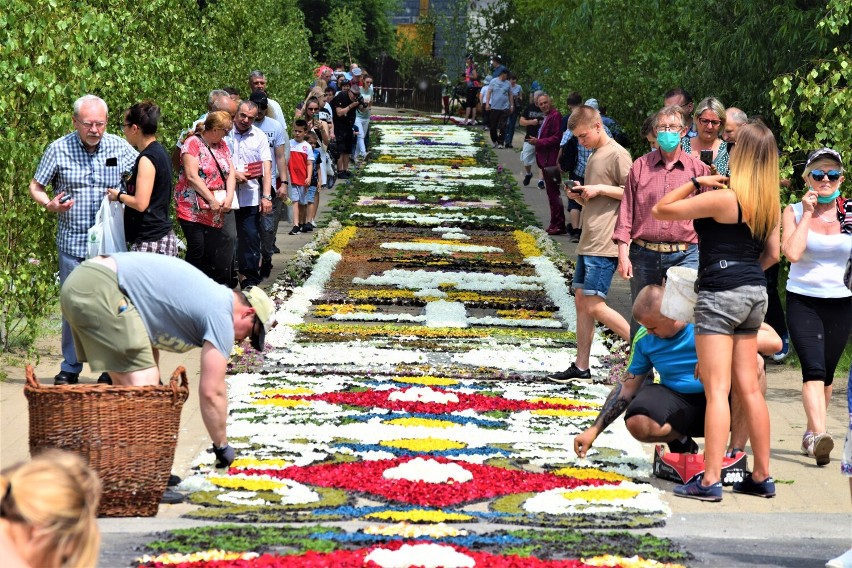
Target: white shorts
[528,154]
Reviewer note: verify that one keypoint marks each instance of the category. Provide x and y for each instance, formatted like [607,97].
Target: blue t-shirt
[180,307]
[674,358]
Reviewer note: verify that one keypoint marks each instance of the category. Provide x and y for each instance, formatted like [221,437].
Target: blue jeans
[510,128]
[67,263]
[649,267]
[269,223]
[248,244]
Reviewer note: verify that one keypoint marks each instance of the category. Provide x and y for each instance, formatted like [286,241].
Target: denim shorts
[297,194]
[310,194]
[730,312]
[593,274]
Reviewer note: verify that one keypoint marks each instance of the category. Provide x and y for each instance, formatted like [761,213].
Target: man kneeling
[672,410]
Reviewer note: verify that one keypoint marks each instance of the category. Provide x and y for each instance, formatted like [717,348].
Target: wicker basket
[127,434]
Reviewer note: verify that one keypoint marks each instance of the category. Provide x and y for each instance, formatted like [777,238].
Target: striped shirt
[69,167]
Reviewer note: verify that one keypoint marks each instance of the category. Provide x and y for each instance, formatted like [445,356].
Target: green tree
[377,37]
[345,34]
[813,104]
[169,51]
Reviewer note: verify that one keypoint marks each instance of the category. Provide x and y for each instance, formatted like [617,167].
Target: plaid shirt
[69,167]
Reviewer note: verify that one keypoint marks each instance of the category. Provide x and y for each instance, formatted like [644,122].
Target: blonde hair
[754,178]
[57,494]
[219,119]
[583,115]
[715,106]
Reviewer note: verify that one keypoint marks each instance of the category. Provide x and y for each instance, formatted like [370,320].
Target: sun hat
[263,309]
[824,153]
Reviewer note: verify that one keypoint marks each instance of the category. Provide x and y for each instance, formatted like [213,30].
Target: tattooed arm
[614,406]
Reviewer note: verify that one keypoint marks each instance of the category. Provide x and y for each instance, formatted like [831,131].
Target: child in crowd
[300,167]
[318,180]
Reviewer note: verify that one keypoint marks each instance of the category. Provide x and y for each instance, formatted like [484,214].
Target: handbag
[218,194]
[106,236]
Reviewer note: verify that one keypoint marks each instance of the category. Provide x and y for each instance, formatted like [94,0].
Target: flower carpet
[400,416]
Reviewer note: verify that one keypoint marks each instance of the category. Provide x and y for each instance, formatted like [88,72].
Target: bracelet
[695,183]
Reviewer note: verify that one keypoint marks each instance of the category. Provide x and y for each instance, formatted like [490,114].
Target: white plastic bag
[107,234]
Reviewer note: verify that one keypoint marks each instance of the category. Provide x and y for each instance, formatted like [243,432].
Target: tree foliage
[376,39]
[627,53]
[169,51]
[813,103]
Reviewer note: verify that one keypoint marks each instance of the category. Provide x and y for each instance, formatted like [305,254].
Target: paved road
[808,522]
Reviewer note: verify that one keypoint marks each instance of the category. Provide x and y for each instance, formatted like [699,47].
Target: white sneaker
[818,446]
[842,561]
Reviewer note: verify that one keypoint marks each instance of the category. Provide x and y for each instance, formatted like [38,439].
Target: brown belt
[662,247]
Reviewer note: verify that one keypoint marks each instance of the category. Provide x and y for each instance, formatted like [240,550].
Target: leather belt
[662,247]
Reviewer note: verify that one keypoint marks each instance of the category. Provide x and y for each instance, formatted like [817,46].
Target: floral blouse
[721,159]
[186,199]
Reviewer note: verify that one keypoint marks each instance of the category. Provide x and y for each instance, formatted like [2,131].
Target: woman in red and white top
[204,194]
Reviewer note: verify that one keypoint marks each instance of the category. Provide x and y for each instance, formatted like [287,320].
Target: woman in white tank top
[819,305]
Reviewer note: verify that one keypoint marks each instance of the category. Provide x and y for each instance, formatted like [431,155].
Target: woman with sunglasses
[737,228]
[710,117]
[819,305]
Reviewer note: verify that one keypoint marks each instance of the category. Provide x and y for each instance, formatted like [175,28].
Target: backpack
[568,158]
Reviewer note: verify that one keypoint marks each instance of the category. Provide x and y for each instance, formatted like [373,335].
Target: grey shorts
[528,154]
[730,312]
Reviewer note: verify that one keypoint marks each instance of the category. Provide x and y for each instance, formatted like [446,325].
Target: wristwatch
[695,183]
[266,197]
[121,192]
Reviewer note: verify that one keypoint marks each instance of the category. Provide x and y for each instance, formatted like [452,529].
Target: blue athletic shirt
[674,358]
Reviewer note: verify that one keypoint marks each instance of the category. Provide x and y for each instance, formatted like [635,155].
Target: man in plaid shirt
[80,165]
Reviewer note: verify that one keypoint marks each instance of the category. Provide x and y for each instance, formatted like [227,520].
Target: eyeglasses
[670,128]
[709,122]
[819,175]
[89,125]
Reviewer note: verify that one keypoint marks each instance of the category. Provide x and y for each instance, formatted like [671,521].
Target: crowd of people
[706,196]
[238,167]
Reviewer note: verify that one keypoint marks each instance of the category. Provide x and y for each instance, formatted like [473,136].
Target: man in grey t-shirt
[125,307]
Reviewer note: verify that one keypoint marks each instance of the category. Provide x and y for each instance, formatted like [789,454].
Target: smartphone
[707,156]
[64,198]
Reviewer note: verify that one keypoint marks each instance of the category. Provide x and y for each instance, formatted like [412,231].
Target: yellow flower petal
[586,473]
[418,516]
[565,412]
[601,494]
[423,422]
[283,402]
[427,380]
[423,444]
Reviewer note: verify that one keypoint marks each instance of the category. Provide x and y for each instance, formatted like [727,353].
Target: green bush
[168,51]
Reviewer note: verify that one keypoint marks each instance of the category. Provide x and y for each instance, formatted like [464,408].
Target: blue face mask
[829,198]
[668,141]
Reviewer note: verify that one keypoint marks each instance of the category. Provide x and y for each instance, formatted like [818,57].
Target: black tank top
[154,223]
[730,242]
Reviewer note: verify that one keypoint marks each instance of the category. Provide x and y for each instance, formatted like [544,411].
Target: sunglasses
[819,175]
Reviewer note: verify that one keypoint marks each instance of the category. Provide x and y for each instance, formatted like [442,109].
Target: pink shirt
[648,181]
